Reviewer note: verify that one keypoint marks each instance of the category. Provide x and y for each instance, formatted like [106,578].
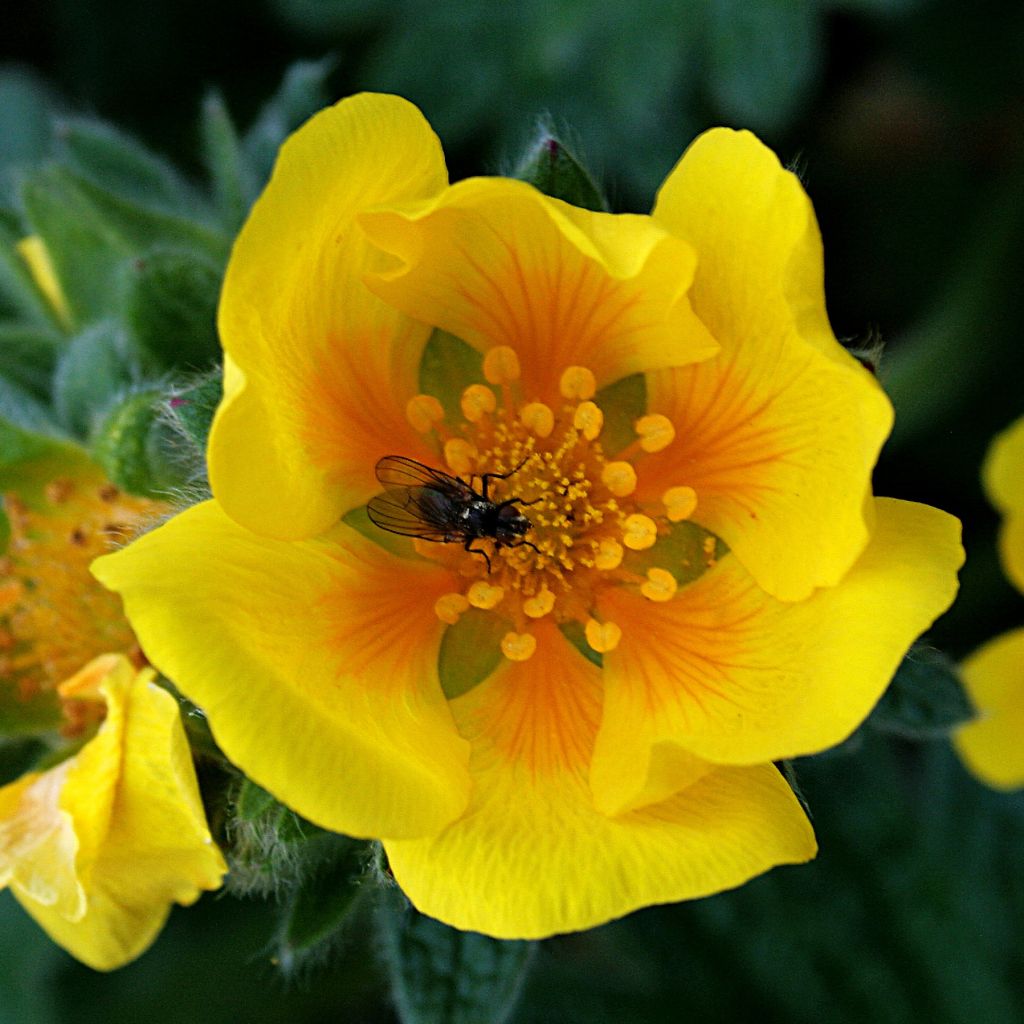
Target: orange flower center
[54,617]
[586,530]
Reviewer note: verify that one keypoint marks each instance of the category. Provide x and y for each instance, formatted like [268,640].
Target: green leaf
[28,356]
[91,372]
[194,408]
[763,59]
[551,168]
[301,94]
[440,975]
[321,906]
[32,449]
[26,104]
[171,306]
[115,161]
[234,187]
[86,248]
[136,446]
[925,699]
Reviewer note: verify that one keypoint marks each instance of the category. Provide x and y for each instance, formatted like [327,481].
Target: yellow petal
[991,746]
[319,370]
[1003,472]
[498,264]
[532,856]
[315,661]
[732,675]
[779,434]
[759,253]
[1003,475]
[132,797]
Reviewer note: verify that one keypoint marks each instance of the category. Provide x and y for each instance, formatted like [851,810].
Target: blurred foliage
[905,119]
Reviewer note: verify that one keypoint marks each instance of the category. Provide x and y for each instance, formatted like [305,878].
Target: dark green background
[906,122]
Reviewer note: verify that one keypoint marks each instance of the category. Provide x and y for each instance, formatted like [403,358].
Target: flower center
[54,616]
[586,528]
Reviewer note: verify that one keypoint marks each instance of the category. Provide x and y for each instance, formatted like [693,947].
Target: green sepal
[234,185]
[925,699]
[22,718]
[470,651]
[28,356]
[19,754]
[170,306]
[302,92]
[115,161]
[320,907]
[92,371]
[33,450]
[136,446]
[192,409]
[440,975]
[551,168]
[265,841]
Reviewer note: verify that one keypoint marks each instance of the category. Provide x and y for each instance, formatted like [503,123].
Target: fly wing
[412,512]
[398,471]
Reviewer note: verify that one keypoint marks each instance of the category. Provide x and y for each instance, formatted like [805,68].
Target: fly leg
[486,478]
[478,551]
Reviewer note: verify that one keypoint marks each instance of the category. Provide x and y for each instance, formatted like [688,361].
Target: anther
[448,607]
[655,431]
[459,454]
[609,554]
[540,604]
[485,595]
[619,478]
[423,411]
[518,646]
[680,503]
[501,365]
[660,585]
[477,401]
[537,418]
[578,383]
[639,532]
[602,636]
[588,420]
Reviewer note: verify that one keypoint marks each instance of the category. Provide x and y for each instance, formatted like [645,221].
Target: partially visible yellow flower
[97,848]
[551,733]
[992,746]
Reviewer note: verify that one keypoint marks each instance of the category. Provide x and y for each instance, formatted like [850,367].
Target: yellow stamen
[485,595]
[448,607]
[540,604]
[537,418]
[423,411]
[680,503]
[639,532]
[602,636]
[518,646]
[501,365]
[588,420]
[619,478]
[660,585]
[609,554]
[655,431]
[577,383]
[459,455]
[477,402]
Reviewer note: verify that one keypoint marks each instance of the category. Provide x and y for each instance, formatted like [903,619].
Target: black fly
[423,502]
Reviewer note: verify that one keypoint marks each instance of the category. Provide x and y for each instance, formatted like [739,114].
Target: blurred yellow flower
[582,719]
[992,746]
[97,847]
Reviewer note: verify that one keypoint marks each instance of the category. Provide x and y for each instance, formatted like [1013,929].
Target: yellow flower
[581,720]
[98,847]
[991,746]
